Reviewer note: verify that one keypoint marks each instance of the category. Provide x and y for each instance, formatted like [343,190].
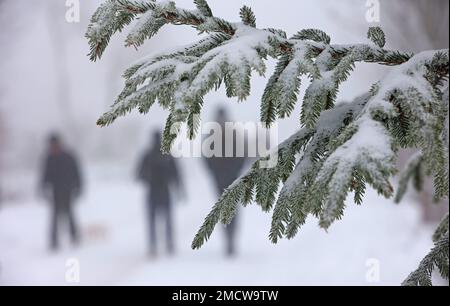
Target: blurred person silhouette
[225,170]
[160,175]
[61,184]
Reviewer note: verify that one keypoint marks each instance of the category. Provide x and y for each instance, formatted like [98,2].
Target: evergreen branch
[223,211]
[193,120]
[106,21]
[247,16]
[294,205]
[280,97]
[438,257]
[148,25]
[377,36]
[441,230]
[113,15]
[177,16]
[170,133]
[413,169]
[269,101]
[341,148]
[203,7]
[314,35]
[241,191]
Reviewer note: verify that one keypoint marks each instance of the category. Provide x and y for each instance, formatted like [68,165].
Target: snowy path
[114,251]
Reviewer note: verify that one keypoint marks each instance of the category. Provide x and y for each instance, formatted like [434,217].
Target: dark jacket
[61,174]
[159,172]
[225,170]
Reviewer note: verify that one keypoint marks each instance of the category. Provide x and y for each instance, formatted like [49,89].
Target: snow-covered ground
[377,234]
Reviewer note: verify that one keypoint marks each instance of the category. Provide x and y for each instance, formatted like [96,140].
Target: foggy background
[47,83]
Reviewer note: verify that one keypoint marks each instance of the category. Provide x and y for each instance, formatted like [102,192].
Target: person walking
[160,175]
[61,183]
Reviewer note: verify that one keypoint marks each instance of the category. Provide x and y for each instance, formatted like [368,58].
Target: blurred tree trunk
[2,123]
[60,37]
[417,24]
[3,140]
[2,147]
[55,13]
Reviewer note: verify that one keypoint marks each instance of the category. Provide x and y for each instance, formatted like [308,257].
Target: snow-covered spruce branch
[437,258]
[340,148]
[179,80]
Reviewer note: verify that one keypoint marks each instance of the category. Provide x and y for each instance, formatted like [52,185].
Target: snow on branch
[351,146]
[230,53]
[340,148]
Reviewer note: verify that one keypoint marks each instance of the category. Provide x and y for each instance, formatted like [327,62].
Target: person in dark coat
[159,173]
[224,171]
[61,183]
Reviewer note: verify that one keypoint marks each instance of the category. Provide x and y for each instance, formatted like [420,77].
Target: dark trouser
[62,213]
[160,211]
